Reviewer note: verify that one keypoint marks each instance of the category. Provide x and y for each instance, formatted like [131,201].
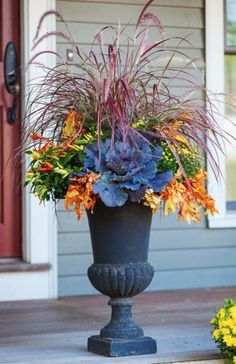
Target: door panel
[10,196]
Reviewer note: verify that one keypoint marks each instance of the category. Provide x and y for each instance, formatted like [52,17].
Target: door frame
[10,171]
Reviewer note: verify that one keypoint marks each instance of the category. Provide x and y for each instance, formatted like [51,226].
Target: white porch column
[39,222]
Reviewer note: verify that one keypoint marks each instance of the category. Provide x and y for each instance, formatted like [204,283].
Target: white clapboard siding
[184,256]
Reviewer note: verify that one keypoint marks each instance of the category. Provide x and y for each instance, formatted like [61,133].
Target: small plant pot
[120,241]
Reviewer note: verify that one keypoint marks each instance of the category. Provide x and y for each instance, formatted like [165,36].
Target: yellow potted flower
[224,332]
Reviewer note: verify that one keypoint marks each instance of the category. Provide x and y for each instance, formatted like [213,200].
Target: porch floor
[56,331]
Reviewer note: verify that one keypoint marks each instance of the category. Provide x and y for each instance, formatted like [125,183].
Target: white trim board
[214,37]
[24,286]
[39,222]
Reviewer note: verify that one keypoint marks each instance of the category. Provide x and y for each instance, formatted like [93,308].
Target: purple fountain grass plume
[35,56]
[43,17]
[142,14]
[155,22]
[49,34]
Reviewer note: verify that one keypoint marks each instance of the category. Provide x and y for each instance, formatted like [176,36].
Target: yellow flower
[61,171]
[213,321]
[29,176]
[138,123]
[225,331]
[221,313]
[234,330]
[216,334]
[76,147]
[185,151]
[35,155]
[229,340]
[152,200]
[41,191]
[234,359]
[226,323]
[232,311]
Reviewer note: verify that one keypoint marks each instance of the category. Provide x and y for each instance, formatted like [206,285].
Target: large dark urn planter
[120,240]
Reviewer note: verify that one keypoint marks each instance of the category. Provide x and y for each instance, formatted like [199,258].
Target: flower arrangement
[108,127]
[224,333]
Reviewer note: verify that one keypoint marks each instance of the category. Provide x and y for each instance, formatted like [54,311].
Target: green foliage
[189,160]
[50,170]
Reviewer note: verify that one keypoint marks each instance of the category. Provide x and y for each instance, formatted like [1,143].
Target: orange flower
[80,193]
[46,167]
[34,136]
[189,211]
[44,148]
[188,197]
[198,185]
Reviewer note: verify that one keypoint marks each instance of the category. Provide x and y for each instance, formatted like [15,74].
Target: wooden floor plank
[56,331]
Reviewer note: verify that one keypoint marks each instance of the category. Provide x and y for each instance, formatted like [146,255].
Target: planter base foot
[121,347]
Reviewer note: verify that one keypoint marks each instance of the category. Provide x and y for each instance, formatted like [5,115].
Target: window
[230,88]
[220,43]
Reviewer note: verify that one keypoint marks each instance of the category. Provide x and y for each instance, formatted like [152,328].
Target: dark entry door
[10,196]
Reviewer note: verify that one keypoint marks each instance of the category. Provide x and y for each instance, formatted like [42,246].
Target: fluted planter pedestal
[120,239]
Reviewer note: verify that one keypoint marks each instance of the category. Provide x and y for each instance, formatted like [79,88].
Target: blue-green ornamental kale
[126,170]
